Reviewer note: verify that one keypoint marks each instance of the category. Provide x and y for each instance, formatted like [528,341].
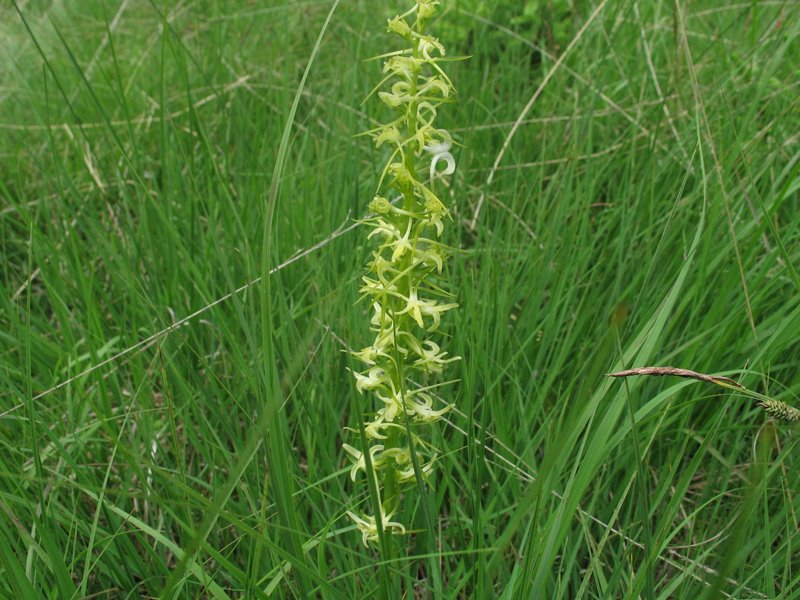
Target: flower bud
[399,26]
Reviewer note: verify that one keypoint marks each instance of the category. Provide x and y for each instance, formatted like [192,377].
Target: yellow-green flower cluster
[404,279]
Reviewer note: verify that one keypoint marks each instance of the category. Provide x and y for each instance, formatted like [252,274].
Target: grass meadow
[179,187]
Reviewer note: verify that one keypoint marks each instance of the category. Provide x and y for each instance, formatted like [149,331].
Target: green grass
[171,426]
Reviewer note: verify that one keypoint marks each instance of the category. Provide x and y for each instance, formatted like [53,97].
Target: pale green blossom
[431,357]
[359,461]
[374,378]
[369,529]
[418,308]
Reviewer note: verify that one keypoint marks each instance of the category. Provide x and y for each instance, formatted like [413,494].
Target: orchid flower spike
[405,285]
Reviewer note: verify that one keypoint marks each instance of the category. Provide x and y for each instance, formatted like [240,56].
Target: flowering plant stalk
[404,282]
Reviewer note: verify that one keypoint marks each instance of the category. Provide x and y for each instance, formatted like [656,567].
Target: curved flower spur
[404,283]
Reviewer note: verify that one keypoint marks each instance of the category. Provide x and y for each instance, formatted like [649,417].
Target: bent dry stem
[777,409]
[405,283]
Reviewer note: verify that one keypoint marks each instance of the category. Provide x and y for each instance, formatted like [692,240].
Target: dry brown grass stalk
[663,371]
[777,409]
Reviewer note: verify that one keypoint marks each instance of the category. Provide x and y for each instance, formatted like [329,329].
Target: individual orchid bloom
[417,308]
[402,459]
[401,456]
[407,474]
[399,26]
[428,44]
[434,84]
[402,244]
[426,8]
[403,67]
[374,429]
[359,461]
[431,201]
[402,177]
[389,339]
[371,354]
[400,94]
[389,135]
[414,307]
[368,526]
[374,287]
[382,206]
[379,316]
[374,378]
[383,268]
[441,151]
[426,115]
[429,256]
[393,404]
[423,411]
[432,357]
[405,341]
[436,135]
[387,230]
[391,100]
[435,220]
